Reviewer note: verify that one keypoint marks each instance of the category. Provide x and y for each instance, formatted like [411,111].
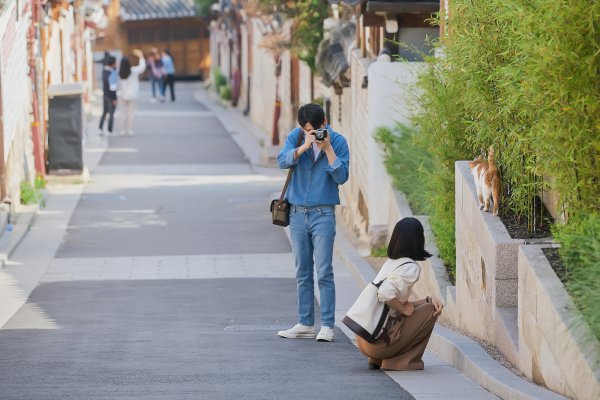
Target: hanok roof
[141,10]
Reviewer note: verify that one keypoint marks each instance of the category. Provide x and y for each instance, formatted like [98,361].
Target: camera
[321,134]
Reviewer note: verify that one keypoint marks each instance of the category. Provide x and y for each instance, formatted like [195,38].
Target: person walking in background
[157,73]
[169,65]
[129,86]
[109,88]
[402,341]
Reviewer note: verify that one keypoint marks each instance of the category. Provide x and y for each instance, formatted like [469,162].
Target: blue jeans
[312,232]
[157,82]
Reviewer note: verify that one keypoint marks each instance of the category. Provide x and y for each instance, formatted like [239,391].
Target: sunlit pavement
[170,281]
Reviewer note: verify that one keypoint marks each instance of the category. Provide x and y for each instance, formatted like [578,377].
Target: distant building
[145,24]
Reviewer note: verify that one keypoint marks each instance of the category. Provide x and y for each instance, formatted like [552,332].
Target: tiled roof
[139,10]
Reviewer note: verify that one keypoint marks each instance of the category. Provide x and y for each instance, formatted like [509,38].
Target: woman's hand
[407,309]
[437,305]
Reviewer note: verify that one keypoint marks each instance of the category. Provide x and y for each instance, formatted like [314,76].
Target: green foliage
[415,173]
[379,251]
[320,101]
[225,92]
[203,6]
[580,253]
[219,79]
[39,182]
[407,164]
[524,77]
[30,194]
[307,29]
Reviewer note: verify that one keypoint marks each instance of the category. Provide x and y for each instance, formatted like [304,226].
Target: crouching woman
[407,325]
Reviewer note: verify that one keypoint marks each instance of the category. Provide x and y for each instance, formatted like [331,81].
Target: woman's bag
[368,315]
[280,208]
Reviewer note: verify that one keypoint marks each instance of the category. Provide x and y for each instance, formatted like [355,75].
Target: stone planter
[486,270]
[557,348]
[508,295]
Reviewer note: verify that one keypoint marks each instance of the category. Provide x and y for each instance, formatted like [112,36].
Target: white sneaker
[130,133]
[299,331]
[325,334]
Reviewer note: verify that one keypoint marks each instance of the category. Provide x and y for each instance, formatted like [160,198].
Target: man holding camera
[321,163]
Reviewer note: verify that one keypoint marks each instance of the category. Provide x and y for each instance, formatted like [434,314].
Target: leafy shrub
[407,164]
[29,193]
[379,251]
[307,26]
[39,182]
[219,78]
[522,76]
[225,92]
[580,253]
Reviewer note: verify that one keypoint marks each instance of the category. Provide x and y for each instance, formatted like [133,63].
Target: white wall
[391,95]
[16,99]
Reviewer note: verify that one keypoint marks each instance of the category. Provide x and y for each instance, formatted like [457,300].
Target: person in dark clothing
[109,87]
[169,66]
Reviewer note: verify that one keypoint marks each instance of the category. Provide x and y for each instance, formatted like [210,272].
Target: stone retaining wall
[556,347]
[507,294]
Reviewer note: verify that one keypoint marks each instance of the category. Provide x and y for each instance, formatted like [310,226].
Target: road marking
[278,265]
[255,328]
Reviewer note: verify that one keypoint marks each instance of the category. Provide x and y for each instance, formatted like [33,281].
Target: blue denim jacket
[315,183]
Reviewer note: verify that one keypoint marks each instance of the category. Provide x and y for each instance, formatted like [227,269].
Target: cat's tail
[491,161]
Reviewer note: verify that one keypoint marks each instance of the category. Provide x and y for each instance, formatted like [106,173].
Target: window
[178,33]
[193,32]
[148,35]
[133,36]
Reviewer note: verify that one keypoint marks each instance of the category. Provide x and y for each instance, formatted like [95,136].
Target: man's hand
[309,139]
[138,53]
[325,144]
[114,103]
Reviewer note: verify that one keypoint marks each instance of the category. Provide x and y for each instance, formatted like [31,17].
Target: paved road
[171,283]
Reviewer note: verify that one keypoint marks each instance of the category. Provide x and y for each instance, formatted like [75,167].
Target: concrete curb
[10,240]
[461,352]
[17,284]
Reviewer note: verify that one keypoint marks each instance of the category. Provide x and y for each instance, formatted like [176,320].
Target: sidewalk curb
[241,128]
[21,282]
[10,240]
[461,352]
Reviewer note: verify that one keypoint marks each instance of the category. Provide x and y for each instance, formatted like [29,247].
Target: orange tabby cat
[487,181]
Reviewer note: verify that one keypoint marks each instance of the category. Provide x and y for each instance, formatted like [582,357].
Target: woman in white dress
[129,86]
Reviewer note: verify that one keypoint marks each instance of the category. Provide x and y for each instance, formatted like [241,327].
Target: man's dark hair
[111,61]
[408,240]
[125,69]
[312,113]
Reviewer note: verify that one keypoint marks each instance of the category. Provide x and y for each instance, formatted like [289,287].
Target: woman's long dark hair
[408,240]
[125,68]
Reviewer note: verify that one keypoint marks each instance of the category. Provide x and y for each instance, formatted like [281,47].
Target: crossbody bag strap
[380,282]
[290,171]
